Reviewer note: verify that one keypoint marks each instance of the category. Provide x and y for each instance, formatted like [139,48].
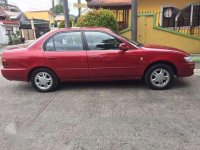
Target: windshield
[133,42]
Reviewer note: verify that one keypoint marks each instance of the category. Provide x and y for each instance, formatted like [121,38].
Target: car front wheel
[159,77]
[44,80]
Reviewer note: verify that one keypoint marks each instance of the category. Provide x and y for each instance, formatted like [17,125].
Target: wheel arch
[170,64]
[40,67]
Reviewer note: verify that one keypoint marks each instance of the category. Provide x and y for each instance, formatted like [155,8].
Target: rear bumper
[186,69]
[15,74]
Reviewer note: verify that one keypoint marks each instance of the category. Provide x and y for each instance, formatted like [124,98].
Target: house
[40,28]
[47,15]
[172,23]
[7,26]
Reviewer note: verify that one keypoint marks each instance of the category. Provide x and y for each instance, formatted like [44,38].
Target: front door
[64,53]
[106,60]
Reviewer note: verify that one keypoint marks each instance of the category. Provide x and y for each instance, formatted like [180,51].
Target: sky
[30,5]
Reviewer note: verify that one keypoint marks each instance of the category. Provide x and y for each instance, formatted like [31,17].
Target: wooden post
[33,27]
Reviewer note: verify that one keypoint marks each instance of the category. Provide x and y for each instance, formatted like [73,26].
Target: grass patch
[196,59]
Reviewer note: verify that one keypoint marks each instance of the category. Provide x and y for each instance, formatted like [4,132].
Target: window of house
[101,41]
[9,30]
[188,16]
[169,15]
[66,41]
[196,15]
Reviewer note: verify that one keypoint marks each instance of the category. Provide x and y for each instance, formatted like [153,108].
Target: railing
[122,25]
[186,24]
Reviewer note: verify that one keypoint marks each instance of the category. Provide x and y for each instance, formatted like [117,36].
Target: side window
[50,45]
[66,41]
[101,41]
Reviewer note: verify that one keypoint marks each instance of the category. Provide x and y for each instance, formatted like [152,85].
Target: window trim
[86,42]
[60,32]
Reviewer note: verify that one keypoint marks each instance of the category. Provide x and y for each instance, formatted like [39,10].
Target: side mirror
[123,47]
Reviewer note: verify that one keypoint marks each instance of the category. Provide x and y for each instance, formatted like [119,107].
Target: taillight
[4,62]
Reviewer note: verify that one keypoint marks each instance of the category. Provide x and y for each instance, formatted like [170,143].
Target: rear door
[65,54]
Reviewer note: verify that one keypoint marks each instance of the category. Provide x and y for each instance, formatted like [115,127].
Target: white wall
[3,37]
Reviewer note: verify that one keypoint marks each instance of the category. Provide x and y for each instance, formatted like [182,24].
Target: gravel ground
[100,116]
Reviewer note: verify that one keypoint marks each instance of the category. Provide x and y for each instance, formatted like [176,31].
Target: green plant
[16,39]
[196,59]
[62,23]
[10,42]
[18,33]
[98,18]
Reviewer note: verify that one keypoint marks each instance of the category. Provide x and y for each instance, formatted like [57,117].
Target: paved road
[107,116]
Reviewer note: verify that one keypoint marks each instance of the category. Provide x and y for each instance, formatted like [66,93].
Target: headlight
[188,59]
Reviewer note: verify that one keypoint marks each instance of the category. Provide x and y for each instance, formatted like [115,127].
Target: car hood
[163,48]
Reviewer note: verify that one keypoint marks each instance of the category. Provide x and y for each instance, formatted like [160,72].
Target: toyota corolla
[94,54]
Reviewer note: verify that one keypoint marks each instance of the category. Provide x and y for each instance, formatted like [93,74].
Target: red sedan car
[93,54]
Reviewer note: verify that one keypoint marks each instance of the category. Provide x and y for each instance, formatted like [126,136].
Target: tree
[58,9]
[98,18]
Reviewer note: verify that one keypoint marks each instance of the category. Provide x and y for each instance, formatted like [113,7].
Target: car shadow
[130,84]
[102,85]
[180,83]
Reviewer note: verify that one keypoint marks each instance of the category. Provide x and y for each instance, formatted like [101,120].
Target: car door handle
[95,57]
[51,58]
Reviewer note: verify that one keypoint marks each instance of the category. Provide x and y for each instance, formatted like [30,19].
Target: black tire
[54,82]
[155,67]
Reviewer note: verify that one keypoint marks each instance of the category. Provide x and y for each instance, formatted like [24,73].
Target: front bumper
[185,69]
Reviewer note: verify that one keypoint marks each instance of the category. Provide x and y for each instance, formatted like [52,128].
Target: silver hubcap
[43,80]
[160,77]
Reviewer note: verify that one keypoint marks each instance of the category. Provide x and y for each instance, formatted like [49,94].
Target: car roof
[84,29]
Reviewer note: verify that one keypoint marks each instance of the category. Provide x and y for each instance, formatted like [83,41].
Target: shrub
[98,18]
[14,39]
[62,23]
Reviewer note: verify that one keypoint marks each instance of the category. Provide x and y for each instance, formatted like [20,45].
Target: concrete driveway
[100,116]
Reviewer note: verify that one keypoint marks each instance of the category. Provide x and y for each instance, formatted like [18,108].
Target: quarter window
[66,41]
[101,41]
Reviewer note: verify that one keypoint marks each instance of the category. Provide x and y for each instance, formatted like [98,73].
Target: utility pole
[79,8]
[53,4]
[134,9]
[66,13]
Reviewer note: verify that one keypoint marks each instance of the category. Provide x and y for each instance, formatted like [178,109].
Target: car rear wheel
[44,80]
[159,77]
